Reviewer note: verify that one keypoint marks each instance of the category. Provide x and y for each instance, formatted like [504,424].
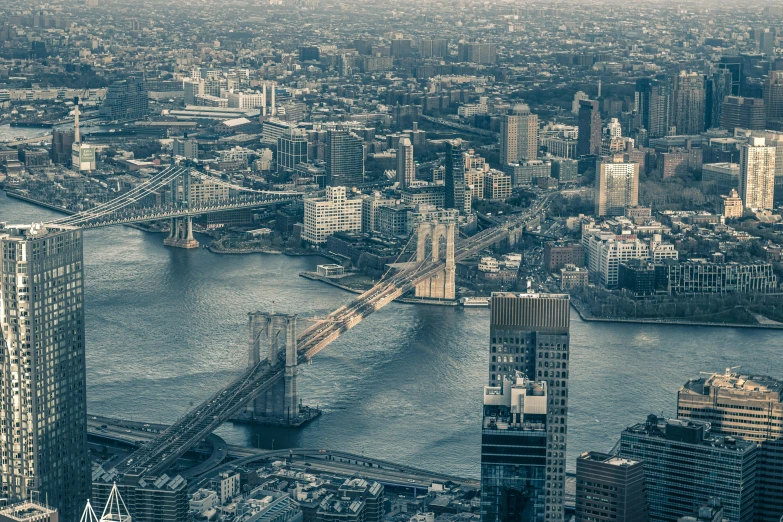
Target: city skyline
[573,209]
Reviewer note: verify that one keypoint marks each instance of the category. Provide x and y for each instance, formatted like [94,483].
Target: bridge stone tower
[273,337]
[436,243]
[181,235]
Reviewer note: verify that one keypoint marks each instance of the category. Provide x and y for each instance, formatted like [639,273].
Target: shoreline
[312,276]
[669,322]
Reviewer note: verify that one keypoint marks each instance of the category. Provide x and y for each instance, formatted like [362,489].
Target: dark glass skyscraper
[589,140]
[513,451]
[456,196]
[42,364]
[529,333]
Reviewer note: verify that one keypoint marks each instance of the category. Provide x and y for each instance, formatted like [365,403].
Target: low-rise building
[557,255]
[609,489]
[573,277]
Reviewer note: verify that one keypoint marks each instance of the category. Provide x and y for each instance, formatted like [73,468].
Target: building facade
[530,333]
[291,150]
[456,194]
[743,113]
[609,489]
[344,158]
[42,359]
[125,100]
[720,178]
[406,168]
[749,407]
[335,212]
[687,106]
[616,187]
[589,140]
[514,451]
[518,135]
[773,96]
[685,465]
[757,174]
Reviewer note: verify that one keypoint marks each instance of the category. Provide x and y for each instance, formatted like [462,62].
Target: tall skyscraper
[43,412]
[457,196]
[616,186]
[518,135]
[651,102]
[641,104]
[344,158]
[735,66]
[609,489]
[685,465]
[406,168]
[513,451]
[743,113]
[291,150]
[773,96]
[716,88]
[529,333]
[687,107]
[589,139]
[757,174]
[750,407]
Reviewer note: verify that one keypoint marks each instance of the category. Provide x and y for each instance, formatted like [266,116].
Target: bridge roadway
[142,215]
[160,453]
[133,433]
[122,210]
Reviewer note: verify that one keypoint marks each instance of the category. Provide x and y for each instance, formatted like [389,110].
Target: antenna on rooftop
[88,515]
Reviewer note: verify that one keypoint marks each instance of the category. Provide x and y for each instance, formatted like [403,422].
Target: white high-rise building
[518,135]
[335,212]
[614,129]
[43,413]
[616,186]
[406,168]
[757,174]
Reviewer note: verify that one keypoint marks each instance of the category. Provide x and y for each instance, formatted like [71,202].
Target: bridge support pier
[270,334]
[181,235]
[436,243]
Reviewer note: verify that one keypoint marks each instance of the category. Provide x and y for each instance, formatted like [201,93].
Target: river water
[167,327]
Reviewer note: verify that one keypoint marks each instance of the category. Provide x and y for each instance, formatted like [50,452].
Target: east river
[168,327]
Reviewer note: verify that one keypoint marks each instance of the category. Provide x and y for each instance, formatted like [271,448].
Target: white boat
[475,301]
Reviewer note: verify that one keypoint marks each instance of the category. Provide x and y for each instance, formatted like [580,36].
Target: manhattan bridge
[269,384]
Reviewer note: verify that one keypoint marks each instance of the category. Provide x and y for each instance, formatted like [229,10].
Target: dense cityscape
[570,214]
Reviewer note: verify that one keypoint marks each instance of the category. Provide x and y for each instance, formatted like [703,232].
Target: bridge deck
[160,453]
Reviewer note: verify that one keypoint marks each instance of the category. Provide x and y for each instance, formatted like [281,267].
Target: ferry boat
[473,302]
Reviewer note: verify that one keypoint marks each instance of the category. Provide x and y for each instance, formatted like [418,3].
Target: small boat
[473,302]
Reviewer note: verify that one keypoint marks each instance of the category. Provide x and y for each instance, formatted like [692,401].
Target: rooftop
[760,387]
[27,512]
[688,432]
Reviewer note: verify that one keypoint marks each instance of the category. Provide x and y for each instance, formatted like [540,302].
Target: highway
[135,434]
